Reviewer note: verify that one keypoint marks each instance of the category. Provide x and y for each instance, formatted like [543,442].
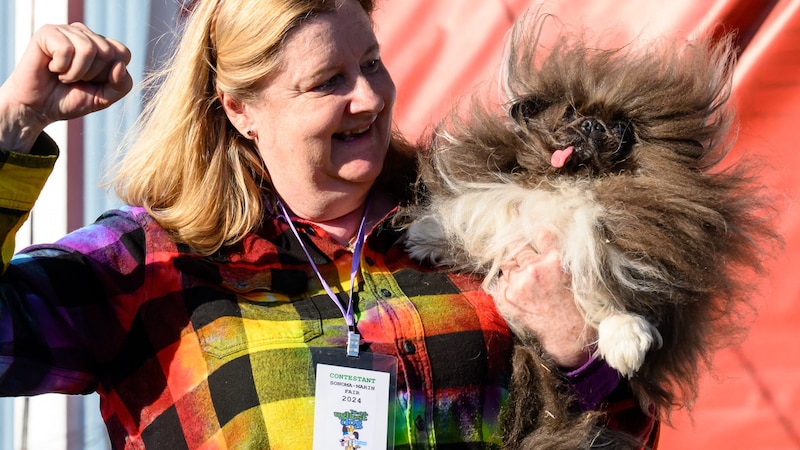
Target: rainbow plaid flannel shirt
[191,352]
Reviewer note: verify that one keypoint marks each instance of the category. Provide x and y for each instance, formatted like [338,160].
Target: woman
[201,313]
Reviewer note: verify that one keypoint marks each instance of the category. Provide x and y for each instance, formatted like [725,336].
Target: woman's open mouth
[352,135]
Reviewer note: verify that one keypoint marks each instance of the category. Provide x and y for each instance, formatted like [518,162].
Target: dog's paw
[425,241]
[624,339]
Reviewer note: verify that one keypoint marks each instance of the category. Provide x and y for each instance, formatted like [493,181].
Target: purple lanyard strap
[349,316]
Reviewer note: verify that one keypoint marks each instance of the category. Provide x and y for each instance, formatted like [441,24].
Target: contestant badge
[354,402]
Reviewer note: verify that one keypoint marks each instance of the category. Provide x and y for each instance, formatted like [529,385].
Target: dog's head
[647,109]
[638,109]
[580,143]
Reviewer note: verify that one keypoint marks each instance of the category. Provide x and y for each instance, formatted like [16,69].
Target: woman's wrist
[18,129]
[568,343]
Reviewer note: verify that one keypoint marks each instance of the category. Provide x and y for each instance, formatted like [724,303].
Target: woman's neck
[343,227]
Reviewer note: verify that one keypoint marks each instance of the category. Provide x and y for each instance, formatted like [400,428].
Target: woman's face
[323,119]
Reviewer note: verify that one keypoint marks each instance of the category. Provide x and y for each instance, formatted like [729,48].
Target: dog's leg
[624,339]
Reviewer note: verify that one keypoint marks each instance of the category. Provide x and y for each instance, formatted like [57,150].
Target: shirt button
[310,231]
[419,422]
[386,293]
[369,261]
[409,347]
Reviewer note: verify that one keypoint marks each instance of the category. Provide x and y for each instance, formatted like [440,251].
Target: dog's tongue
[560,157]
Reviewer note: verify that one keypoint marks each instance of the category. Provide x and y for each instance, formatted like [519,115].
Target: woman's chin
[360,172]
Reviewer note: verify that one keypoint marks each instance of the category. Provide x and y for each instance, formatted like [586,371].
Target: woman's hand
[533,293]
[67,71]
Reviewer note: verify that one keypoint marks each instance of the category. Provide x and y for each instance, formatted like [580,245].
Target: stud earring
[250,133]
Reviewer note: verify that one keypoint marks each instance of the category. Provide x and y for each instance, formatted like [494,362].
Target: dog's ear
[522,109]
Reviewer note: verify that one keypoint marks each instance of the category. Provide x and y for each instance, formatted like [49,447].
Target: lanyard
[349,317]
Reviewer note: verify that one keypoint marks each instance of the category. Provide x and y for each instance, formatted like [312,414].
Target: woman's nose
[368,96]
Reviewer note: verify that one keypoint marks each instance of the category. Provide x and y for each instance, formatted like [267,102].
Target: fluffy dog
[617,153]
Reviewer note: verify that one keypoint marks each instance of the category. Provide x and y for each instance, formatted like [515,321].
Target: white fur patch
[624,339]
[425,239]
[484,224]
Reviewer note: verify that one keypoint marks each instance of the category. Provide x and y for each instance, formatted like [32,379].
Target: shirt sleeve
[65,307]
[598,386]
[22,177]
[593,382]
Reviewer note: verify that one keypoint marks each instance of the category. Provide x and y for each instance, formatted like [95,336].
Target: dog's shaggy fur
[617,152]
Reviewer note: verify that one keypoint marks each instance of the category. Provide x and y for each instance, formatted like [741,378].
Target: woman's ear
[237,114]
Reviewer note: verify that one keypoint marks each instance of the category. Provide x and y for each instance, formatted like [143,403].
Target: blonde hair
[183,161]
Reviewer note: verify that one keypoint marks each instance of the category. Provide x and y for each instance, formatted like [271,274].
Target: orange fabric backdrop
[440,50]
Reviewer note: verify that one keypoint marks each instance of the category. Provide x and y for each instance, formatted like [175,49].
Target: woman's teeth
[352,134]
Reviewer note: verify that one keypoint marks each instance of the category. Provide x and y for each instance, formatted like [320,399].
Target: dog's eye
[526,108]
[569,115]
[624,131]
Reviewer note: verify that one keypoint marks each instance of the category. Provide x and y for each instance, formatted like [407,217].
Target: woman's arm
[66,308]
[533,294]
[67,71]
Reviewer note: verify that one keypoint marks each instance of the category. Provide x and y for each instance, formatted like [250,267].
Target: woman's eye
[372,65]
[328,84]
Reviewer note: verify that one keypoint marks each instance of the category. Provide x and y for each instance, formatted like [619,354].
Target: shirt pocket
[248,326]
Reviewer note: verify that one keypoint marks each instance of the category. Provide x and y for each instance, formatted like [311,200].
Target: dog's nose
[590,125]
